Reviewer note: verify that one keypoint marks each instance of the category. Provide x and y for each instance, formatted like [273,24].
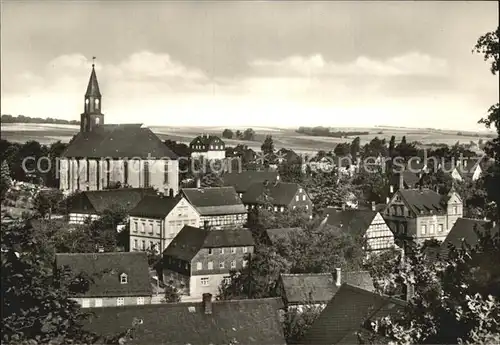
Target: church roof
[118,141]
[93,87]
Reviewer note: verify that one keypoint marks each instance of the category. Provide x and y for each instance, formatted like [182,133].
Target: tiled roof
[155,206]
[253,321]
[423,201]
[280,193]
[241,181]
[464,230]
[106,268]
[206,140]
[95,202]
[320,287]
[353,221]
[93,86]
[214,200]
[126,141]
[345,314]
[190,240]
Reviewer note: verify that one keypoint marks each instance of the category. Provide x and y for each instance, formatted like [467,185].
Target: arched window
[97,120]
[96,102]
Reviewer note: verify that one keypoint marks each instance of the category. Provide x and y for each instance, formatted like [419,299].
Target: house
[208,146]
[348,314]
[198,260]
[203,322]
[91,204]
[284,155]
[156,220]
[281,195]
[422,214]
[317,289]
[241,181]
[119,278]
[218,207]
[101,156]
[367,224]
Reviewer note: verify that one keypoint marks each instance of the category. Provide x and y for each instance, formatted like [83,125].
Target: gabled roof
[96,202]
[320,287]
[106,268]
[279,193]
[354,221]
[93,86]
[464,230]
[345,314]
[190,240]
[252,321]
[214,200]
[241,181]
[423,201]
[126,141]
[155,206]
[206,140]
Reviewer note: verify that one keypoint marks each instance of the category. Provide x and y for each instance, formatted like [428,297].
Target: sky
[280,64]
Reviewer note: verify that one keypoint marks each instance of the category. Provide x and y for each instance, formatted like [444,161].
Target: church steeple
[92,116]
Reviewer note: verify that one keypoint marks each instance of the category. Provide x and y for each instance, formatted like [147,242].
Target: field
[288,138]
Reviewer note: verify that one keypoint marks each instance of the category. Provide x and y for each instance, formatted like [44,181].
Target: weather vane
[93,61]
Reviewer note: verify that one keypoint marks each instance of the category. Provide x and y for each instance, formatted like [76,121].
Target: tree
[374,184]
[489,46]
[36,304]
[5,180]
[211,179]
[455,299]
[267,146]
[172,294]
[355,147]
[392,146]
[342,149]
[297,322]
[239,134]
[47,202]
[227,133]
[249,134]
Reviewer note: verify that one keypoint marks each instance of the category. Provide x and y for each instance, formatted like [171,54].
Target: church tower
[92,116]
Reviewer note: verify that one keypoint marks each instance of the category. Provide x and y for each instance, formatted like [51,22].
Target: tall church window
[146,174]
[97,120]
[96,102]
[87,105]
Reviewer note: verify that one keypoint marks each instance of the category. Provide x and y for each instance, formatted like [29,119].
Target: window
[210,265]
[199,266]
[300,190]
[85,303]
[120,301]
[140,300]
[233,250]
[304,197]
[275,209]
[150,228]
[97,120]
[136,245]
[222,250]
[431,229]
[245,263]
[123,278]
[440,227]
[455,210]
[233,264]
[143,227]
[296,198]
[227,280]
[204,281]
[307,207]
[424,229]
[245,249]
[136,226]
[221,265]
[98,302]
[209,251]
[143,245]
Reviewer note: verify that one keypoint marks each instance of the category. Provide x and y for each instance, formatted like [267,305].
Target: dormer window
[123,278]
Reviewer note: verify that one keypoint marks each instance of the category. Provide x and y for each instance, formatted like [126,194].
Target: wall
[148,230]
[301,199]
[79,218]
[225,221]
[214,282]
[183,214]
[379,236]
[112,301]
[431,222]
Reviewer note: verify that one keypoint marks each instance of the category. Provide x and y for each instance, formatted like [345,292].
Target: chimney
[171,193]
[206,225]
[338,274]
[401,181]
[198,183]
[373,205]
[207,303]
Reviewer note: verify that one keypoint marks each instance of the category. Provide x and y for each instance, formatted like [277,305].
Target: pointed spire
[93,87]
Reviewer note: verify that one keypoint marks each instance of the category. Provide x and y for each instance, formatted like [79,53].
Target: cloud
[315,65]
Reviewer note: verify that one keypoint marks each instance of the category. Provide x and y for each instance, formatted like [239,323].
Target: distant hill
[27,119]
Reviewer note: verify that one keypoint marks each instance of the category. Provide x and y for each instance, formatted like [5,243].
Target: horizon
[292,64]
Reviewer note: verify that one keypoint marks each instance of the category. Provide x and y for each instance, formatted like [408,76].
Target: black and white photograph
[250,172]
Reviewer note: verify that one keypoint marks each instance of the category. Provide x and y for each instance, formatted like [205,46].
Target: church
[103,156]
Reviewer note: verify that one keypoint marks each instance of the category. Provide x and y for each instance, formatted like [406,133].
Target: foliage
[455,299]
[267,146]
[249,134]
[5,179]
[227,133]
[355,147]
[36,304]
[381,266]
[297,322]
[375,148]
[27,119]
[49,201]
[211,179]
[172,294]
[373,184]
